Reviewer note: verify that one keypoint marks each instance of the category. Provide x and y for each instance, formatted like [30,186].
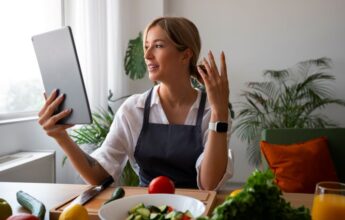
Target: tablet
[59,66]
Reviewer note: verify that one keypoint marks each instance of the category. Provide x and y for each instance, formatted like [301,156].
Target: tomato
[170,209]
[161,184]
[23,216]
[186,217]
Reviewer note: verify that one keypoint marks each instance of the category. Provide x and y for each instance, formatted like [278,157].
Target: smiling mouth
[152,67]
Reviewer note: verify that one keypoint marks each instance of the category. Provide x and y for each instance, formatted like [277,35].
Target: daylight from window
[21,88]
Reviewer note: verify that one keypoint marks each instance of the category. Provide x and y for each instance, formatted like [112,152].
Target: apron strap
[201,109]
[147,110]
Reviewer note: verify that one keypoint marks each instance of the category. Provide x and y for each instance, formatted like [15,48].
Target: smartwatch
[218,126]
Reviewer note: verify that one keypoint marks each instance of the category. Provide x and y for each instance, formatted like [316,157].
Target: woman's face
[162,58]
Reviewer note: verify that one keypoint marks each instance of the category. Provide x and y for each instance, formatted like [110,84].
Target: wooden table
[53,194]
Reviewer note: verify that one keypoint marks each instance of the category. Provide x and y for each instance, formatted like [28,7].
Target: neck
[175,96]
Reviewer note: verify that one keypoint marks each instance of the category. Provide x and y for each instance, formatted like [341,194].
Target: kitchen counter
[54,194]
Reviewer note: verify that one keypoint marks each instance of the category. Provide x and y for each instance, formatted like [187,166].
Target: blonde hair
[183,34]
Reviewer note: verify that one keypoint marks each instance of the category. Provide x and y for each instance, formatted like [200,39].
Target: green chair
[335,136]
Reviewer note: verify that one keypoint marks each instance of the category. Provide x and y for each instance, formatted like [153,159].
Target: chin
[153,77]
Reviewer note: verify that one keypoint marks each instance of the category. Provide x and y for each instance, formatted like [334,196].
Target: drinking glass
[329,201]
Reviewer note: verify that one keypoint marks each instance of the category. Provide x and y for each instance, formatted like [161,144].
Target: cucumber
[144,212]
[29,202]
[130,217]
[118,193]
[163,208]
[153,209]
[138,206]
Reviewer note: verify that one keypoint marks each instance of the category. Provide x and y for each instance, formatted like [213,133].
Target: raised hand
[217,86]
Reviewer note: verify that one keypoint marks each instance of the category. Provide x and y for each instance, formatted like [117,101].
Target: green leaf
[134,62]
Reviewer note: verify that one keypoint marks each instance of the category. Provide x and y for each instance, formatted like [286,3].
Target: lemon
[74,212]
[235,192]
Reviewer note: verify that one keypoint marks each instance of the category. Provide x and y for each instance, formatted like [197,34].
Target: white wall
[268,34]
[255,35]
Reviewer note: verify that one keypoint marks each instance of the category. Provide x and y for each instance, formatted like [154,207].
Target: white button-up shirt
[122,138]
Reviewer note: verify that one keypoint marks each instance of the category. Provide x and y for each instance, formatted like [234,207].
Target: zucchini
[118,193]
[29,202]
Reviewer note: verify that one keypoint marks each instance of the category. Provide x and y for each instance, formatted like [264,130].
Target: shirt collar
[156,101]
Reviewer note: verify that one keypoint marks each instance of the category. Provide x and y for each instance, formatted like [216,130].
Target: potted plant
[289,98]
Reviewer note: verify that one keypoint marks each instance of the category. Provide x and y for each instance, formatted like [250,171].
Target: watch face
[222,127]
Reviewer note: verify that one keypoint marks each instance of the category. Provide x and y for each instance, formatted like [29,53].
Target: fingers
[212,75]
[49,110]
[223,68]
[213,64]
[48,101]
[50,123]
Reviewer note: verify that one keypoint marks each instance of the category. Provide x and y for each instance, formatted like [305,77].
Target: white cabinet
[36,167]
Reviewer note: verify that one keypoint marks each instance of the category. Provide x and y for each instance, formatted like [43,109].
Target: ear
[187,55]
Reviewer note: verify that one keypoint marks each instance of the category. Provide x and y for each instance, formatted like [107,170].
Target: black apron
[169,150]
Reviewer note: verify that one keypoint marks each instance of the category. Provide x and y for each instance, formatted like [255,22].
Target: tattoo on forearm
[91,161]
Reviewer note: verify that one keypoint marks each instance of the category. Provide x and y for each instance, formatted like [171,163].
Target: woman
[172,130]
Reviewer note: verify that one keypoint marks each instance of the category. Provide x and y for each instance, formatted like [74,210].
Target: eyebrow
[154,41]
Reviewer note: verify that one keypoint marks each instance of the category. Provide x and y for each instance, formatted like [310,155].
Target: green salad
[260,199]
[164,212]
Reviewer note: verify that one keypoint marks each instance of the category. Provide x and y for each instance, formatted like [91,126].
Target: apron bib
[169,150]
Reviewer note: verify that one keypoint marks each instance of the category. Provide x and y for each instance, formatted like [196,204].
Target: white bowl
[118,209]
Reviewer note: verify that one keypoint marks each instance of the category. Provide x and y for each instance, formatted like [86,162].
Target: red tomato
[186,217]
[23,216]
[170,209]
[161,184]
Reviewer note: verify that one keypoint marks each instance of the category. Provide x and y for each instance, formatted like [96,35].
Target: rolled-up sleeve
[112,155]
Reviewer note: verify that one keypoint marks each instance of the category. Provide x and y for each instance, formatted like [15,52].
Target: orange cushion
[298,167]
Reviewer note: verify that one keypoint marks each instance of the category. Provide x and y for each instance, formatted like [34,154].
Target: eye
[159,46]
[146,47]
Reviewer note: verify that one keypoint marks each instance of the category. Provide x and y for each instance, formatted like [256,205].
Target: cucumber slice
[163,208]
[144,212]
[140,205]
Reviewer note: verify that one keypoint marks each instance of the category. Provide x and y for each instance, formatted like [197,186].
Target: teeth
[152,66]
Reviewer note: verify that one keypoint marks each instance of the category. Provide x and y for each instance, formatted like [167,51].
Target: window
[21,88]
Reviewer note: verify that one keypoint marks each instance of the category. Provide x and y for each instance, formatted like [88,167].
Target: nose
[148,53]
